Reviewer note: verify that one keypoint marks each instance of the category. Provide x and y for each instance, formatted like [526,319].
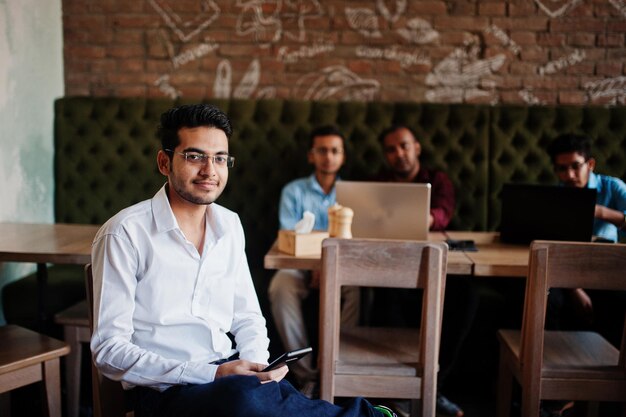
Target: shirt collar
[316,185]
[165,220]
[593,181]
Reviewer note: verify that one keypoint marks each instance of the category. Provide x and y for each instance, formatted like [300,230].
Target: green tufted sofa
[105,160]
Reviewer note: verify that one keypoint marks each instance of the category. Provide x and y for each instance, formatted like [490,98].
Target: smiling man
[172,285]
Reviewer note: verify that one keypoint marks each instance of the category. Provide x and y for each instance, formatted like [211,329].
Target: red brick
[87,52]
[492,9]
[427,8]
[551,39]
[609,68]
[616,27]
[582,10]
[581,39]
[523,37]
[523,68]
[577,25]
[536,54]
[572,97]
[522,9]
[133,21]
[522,23]
[461,23]
[611,40]
[125,51]
[131,65]
[130,91]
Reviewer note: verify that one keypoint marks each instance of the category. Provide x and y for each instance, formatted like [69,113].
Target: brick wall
[476,51]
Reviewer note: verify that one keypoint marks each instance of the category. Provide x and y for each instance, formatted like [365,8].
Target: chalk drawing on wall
[268,21]
[557,8]
[463,74]
[364,21]
[556,65]
[337,83]
[620,5]
[163,82]
[503,38]
[529,97]
[418,31]
[398,9]
[187,29]
[194,53]
[247,87]
[611,88]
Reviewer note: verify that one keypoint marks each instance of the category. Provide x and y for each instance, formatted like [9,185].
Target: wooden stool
[75,322]
[27,357]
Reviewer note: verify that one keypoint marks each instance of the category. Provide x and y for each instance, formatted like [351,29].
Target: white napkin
[306,224]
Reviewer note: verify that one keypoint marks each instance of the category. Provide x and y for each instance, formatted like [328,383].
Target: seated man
[290,287]
[171,284]
[402,151]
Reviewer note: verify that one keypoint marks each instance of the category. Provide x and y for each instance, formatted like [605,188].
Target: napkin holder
[301,244]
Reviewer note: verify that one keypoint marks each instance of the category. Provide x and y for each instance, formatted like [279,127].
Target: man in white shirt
[171,283]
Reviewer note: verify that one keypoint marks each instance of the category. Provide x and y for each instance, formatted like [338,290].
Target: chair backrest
[383,263]
[108,396]
[566,265]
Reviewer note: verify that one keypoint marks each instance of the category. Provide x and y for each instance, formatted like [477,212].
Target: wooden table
[493,258]
[46,243]
[458,262]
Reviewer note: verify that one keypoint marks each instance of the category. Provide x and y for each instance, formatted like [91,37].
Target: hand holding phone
[287,357]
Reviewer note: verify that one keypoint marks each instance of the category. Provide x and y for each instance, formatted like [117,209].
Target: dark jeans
[241,396]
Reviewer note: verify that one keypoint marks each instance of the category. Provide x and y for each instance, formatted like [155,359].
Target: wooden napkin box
[301,244]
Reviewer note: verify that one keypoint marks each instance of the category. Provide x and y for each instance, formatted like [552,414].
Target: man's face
[572,169]
[193,182]
[327,154]
[402,152]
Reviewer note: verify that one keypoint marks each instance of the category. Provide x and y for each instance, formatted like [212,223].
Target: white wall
[31,77]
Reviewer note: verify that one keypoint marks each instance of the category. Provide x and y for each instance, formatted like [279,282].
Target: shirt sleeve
[115,264]
[289,210]
[442,201]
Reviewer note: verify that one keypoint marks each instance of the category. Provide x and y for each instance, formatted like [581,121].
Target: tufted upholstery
[105,155]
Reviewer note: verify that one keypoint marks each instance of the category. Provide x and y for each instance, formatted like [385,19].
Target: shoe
[311,390]
[385,411]
[445,407]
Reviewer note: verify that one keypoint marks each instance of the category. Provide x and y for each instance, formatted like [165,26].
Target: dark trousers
[241,396]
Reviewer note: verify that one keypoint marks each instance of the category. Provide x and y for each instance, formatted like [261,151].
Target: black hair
[190,115]
[570,142]
[326,130]
[391,129]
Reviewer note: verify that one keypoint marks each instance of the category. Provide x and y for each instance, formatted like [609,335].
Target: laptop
[386,210]
[532,212]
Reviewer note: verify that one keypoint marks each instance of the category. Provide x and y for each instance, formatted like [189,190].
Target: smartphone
[287,357]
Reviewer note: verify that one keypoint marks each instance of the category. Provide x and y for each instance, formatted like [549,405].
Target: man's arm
[442,201]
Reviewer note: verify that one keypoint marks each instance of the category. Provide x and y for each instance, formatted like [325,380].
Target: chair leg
[504,389]
[531,401]
[72,369]
[52,386]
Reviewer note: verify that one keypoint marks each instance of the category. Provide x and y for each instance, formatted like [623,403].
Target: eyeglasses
[574,166]
[321,151]
[197,158]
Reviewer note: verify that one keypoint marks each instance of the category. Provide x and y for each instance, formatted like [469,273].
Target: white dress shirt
[162,311]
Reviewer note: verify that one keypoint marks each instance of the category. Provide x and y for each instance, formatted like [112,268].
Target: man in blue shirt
[574,166]
[290,287]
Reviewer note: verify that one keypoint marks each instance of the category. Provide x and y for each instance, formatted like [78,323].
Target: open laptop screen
[387,210]
[533,212]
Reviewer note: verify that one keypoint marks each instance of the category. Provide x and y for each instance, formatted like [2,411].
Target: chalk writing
[620,5]
[363,21]
[223,80]
[186,30]
[504,39]
[611,87]
[163,83]
[529,98]
[266,92]
[193,54]
[461,74]
[406,59]
[563,62]
[556,8]
[291,57]
[418,31]
[337,83]
[400,6]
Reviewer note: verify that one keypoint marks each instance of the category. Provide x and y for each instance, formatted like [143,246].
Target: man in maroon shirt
[402,150]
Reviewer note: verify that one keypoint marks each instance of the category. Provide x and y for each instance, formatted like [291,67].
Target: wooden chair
[27,357]
[108,396]
[76,330]
[381,362]
[559,365]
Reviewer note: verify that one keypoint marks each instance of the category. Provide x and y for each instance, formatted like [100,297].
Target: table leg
[42,283]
